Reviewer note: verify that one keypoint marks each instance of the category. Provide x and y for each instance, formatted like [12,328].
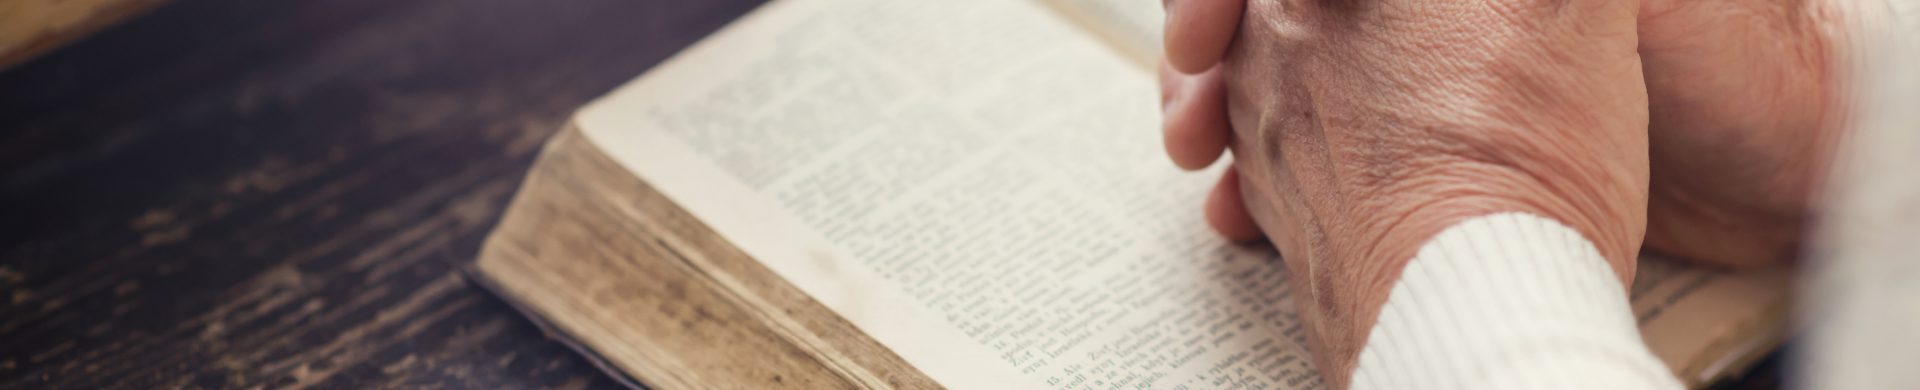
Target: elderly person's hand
[1363,128]
[1744,102]
[1360,128]
[1746,111]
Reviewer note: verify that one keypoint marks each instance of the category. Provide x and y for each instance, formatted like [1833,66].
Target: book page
[1707,324]
[980,187]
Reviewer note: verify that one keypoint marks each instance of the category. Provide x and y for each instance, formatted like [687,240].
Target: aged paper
[976,184]
[979,186]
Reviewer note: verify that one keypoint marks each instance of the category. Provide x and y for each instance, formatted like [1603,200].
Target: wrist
[1608,213]
[1411,219]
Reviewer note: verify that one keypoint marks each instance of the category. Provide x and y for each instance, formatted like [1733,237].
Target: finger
[1227,211]
[1198,31]
[1170,81]
[1194,125]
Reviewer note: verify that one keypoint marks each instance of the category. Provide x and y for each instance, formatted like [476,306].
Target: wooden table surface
[244,194]
[248,194]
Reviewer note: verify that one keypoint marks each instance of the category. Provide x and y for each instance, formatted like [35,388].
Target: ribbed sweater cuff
[1508,301]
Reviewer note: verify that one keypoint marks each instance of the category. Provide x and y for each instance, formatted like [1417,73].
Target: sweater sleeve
[1508,301]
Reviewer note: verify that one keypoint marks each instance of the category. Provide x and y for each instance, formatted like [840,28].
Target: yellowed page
[1704,323]
[979,186]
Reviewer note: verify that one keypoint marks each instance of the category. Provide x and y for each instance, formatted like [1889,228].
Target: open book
[969,194]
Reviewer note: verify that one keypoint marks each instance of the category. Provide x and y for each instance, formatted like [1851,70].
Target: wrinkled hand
[1742,95]
[1745,110]
[1362,128]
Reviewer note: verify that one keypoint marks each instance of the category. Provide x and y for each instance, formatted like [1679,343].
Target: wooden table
[246,194]
[238,193]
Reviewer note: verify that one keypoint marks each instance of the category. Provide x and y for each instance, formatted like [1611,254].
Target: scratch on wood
[578,382]
[351,356]
[274,342]
[464,218]
[398,366]
[51,352]
[486,330]
[301,373]
[271,175]
[482,206]
[98,330]
[166,236]
[417,251]
[10,276]
[151,219]
[127,287]
[400,310]
[53,303]
[213,331]
[504,361]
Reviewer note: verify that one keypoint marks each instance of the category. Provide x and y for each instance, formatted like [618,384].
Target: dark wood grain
[241,194]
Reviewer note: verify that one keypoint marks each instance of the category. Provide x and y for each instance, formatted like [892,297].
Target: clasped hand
[1359,129]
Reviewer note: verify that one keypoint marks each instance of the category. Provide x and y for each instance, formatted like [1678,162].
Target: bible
[966,194]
